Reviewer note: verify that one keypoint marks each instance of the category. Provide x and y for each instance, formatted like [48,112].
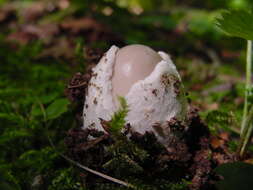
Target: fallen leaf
[33,11]
[249,161]
[216,142]
[20,37]
[82,24]
[63,4]
[6,12]
[44,31]
[29,32]
[230,54]
[224,136]
[212,107]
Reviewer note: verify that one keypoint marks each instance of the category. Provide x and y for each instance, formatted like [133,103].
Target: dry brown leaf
[249,161]
[20,37]
[216,142]
[33,11]
[5,13]
[82,24]
[63,4]
[211,107]
[44,32]
[29,32]
[224,136]
[230,54]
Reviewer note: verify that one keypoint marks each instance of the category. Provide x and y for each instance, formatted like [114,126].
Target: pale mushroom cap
[132,63]
[152,90]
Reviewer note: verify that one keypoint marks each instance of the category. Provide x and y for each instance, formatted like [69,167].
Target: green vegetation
[118,119]
[41,50]
[238,23]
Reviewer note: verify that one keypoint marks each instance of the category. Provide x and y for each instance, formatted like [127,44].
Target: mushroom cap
[155,97]
[132,63]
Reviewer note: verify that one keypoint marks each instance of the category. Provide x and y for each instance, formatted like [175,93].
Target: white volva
[152,95]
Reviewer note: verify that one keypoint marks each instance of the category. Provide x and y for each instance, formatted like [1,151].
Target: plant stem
[247,86]
[247,120]
[248,133]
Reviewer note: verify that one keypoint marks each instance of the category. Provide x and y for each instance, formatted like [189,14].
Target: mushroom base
[186,161]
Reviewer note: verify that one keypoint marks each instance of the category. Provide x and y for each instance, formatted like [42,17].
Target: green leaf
[11,117]
[237,24]
[48,98]
[13,135]
[57,108]
[237,175]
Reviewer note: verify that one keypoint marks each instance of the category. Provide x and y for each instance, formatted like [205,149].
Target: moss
[184,162]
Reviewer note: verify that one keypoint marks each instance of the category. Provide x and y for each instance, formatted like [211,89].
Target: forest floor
[43,44]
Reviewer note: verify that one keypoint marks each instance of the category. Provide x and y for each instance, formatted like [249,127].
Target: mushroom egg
[148,80]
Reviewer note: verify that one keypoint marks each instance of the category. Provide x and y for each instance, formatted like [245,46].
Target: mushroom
[149,82]
[132,63]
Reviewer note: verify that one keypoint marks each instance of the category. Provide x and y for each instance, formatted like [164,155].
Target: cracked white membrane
[148,80]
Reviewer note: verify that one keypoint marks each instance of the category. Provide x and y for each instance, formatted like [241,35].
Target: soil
[190,155]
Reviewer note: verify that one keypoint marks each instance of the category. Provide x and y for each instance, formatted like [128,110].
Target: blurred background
[43,43]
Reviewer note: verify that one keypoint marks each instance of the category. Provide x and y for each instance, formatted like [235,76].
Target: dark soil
[190,154]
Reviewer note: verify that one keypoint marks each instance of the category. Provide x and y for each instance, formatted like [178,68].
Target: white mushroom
[149,81]
[132,63]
